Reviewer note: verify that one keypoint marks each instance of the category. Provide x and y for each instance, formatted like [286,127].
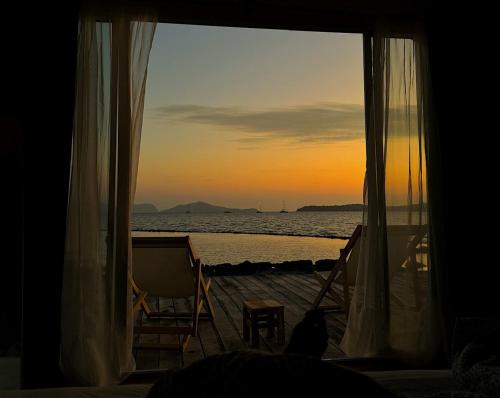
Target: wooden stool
[258,314]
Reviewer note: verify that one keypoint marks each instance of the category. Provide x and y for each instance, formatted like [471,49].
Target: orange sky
[252,118]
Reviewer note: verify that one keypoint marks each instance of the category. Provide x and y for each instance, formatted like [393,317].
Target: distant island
[144,208]
[204,207]
[358,207]
[350,207]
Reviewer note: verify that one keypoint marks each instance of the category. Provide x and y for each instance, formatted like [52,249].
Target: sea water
[268,236]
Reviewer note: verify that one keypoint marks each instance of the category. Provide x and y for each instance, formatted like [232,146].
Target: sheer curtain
[393,312]
[96,318]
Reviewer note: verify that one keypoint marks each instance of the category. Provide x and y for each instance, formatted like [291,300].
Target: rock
[299,265]
[324,265]
[250,268]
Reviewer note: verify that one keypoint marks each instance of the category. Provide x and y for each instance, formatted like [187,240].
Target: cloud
[309,123]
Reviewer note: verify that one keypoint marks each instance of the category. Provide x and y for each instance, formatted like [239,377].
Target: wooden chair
[343,273]
[168,267]
[402,241]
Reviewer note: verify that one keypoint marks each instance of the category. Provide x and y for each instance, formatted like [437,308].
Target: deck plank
[194,351]
[169,360]
[335,320]
[147,359]
[297,306]
[228,327]
[309,293]
[295,291]
[264,293]
[238,293]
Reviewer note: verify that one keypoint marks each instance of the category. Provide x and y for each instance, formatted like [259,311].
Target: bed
[406,383]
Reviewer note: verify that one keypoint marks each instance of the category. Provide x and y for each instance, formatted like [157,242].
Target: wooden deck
[295,291]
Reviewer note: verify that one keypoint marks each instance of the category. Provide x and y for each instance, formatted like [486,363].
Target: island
[360,207]
[348,207]
[204,207]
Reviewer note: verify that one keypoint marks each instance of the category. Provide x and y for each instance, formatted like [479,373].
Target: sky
[252,118]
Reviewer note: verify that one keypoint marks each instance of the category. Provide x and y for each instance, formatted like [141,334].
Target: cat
[309,336]
[298,371]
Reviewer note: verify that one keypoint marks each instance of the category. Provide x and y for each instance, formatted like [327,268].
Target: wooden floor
[295,291]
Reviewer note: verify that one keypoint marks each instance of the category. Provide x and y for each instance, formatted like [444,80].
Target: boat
[283,209]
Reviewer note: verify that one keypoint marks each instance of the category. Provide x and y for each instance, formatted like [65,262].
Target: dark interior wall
[40,110]
[11,202]
[43,86]
[11,198]
[338,15]
[464,60]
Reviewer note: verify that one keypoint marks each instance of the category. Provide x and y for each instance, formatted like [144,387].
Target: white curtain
[96,301]
[393,312]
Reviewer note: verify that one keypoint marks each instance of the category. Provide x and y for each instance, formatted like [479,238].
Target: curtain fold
[393,311]
[96,324]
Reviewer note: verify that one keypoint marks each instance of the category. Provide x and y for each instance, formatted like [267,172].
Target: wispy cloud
[309,123]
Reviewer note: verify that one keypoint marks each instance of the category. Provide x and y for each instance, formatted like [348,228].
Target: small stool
[259,314]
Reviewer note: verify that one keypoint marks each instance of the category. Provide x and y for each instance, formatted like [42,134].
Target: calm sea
[236,237]
[335,224]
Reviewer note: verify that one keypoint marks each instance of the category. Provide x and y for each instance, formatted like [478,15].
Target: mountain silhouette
[204,207]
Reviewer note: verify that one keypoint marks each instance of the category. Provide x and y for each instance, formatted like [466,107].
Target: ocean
[268,236]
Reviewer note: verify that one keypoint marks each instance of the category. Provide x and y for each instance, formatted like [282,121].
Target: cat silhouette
[310,336]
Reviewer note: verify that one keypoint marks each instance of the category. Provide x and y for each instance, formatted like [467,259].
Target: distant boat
[283,210]
[260,210]
[227,211]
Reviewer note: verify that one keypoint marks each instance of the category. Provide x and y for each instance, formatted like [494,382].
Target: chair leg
[281,328]
[185,342]
[246,328]
[206,297]
[326,284]
[271,320]
[416,288]
[207,302]
[222,345]
[255,333]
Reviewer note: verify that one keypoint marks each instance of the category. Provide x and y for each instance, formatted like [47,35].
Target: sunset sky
[252,118]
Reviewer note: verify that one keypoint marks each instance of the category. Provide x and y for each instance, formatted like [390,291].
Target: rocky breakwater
[249,268]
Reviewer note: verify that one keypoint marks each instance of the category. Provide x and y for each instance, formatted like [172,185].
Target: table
[260,314]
